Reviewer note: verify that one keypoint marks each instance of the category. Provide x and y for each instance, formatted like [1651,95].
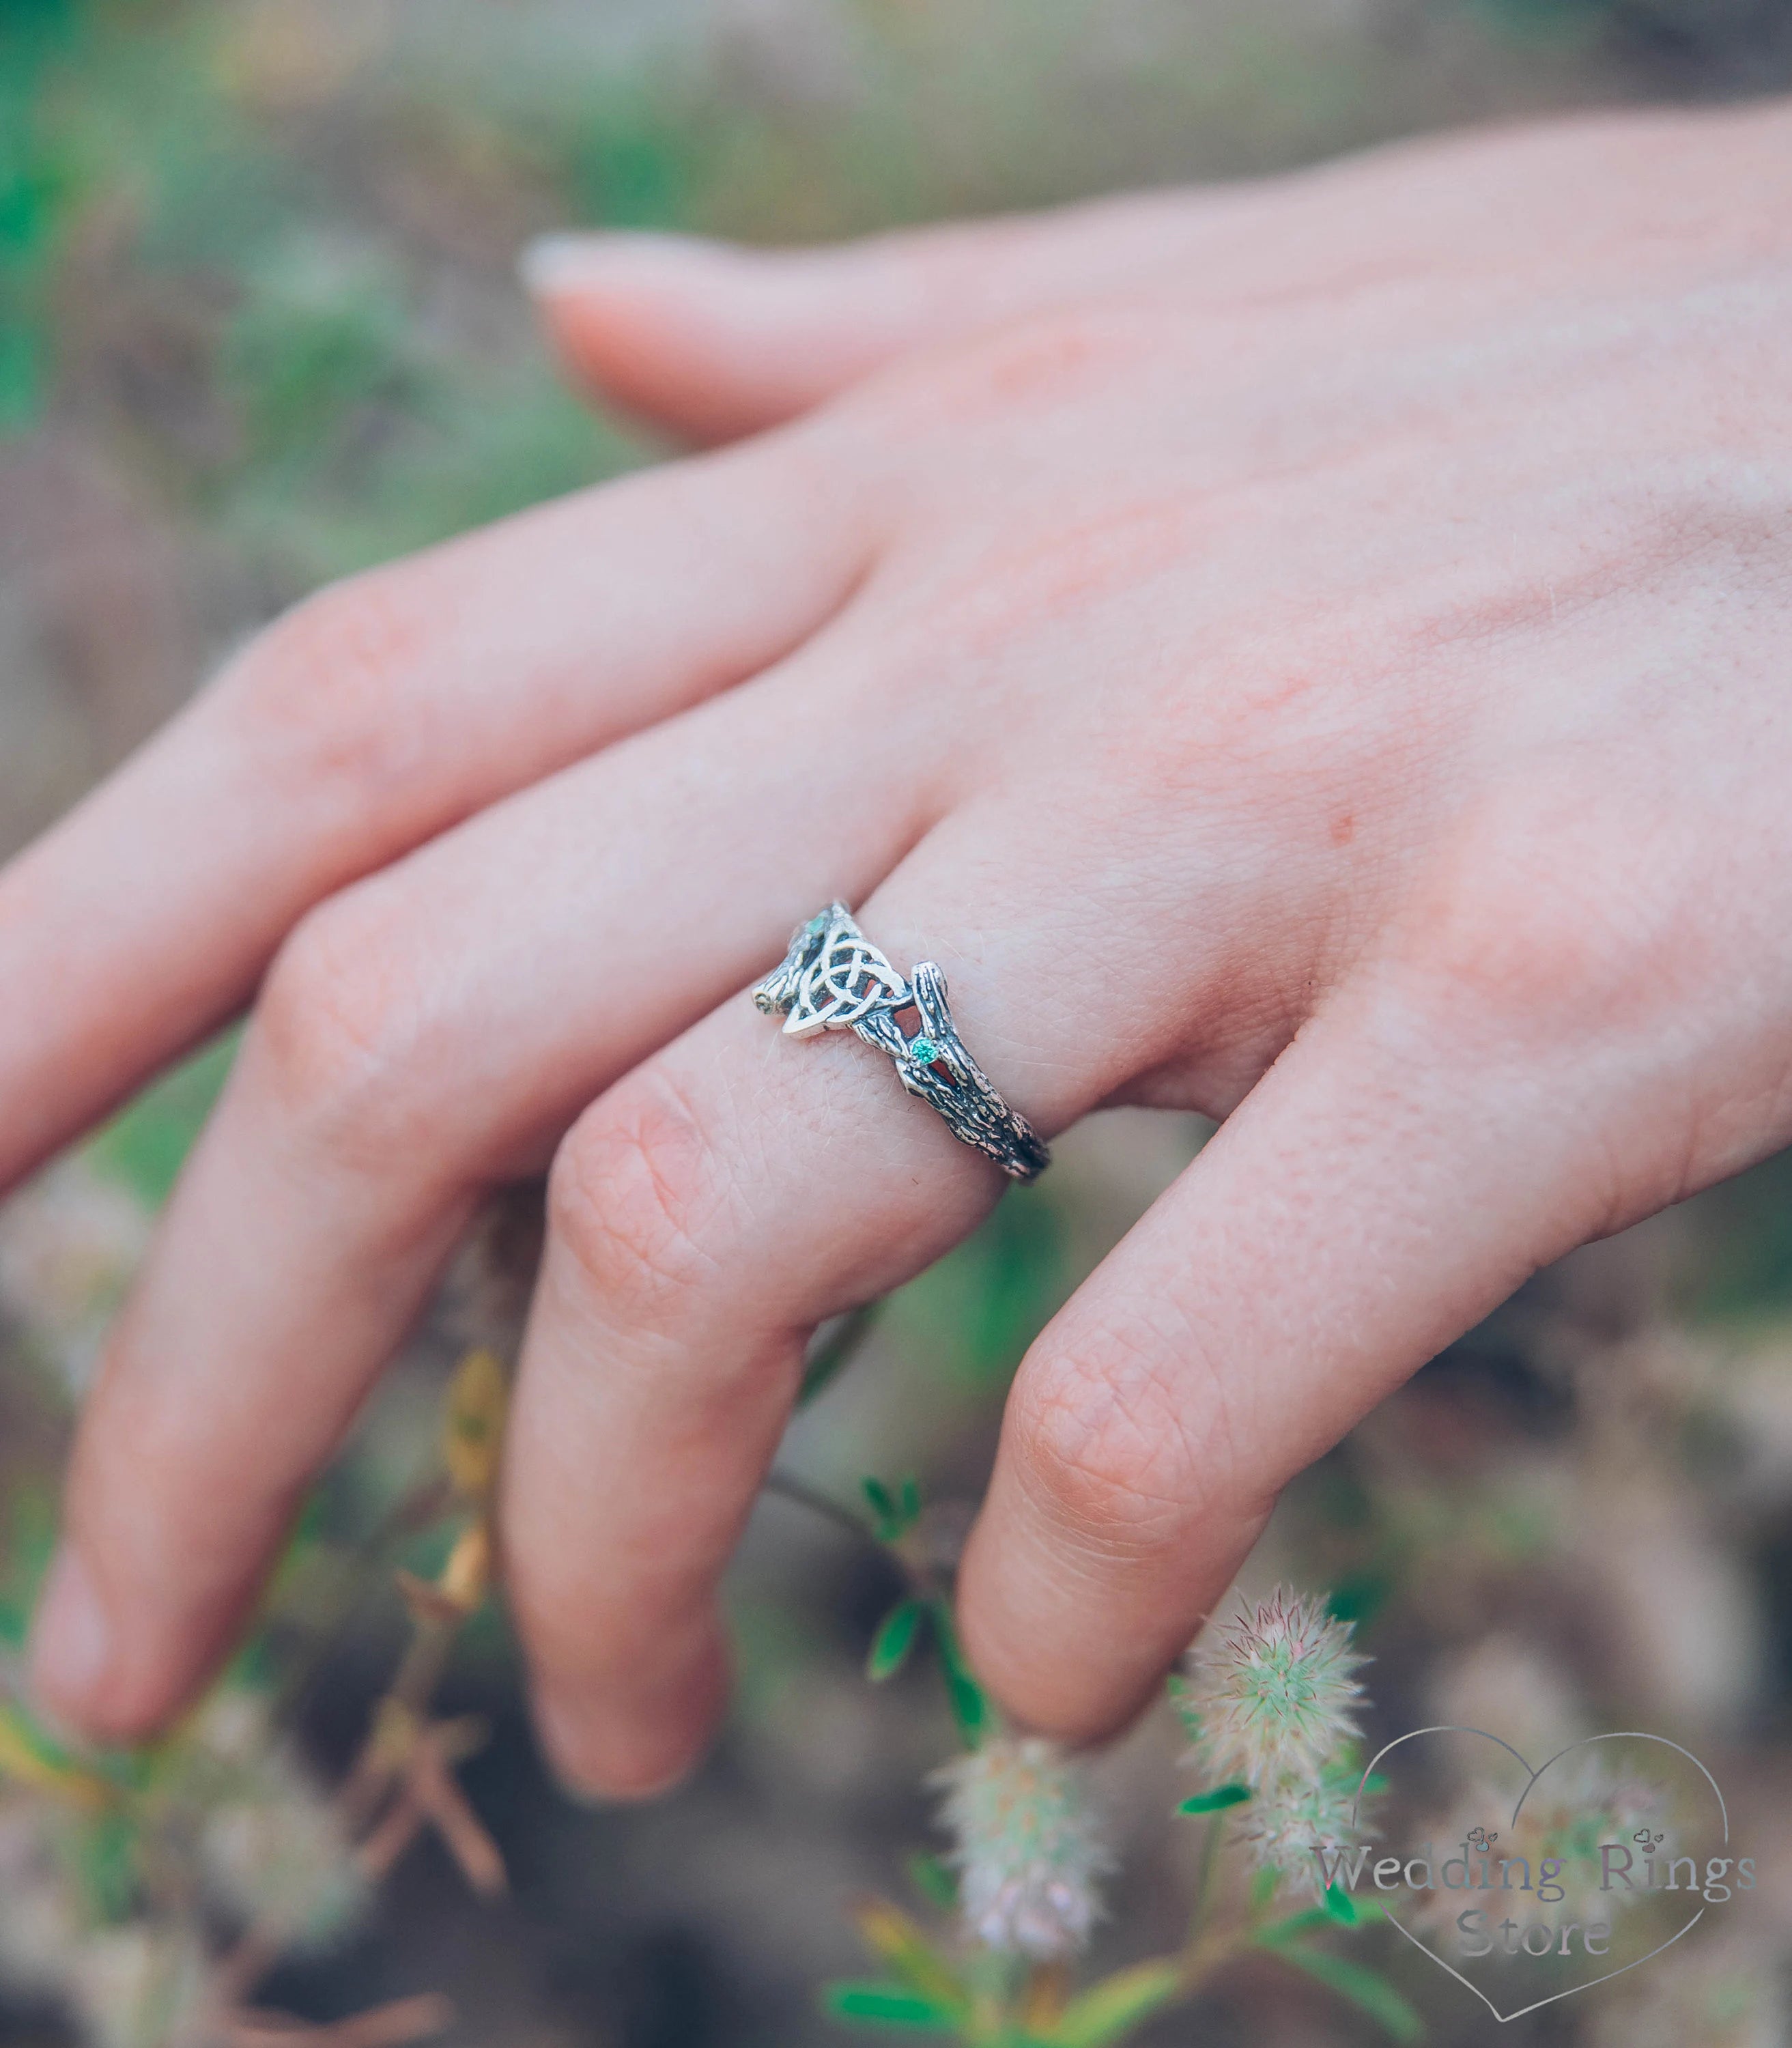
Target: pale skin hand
[1316,653]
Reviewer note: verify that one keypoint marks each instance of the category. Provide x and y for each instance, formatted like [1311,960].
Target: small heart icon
[1555,1794]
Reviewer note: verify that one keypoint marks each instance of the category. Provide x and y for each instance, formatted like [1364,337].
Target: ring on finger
[833,978]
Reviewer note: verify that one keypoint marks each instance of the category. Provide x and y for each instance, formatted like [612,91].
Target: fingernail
[553,262]
[566,1741]
[560,1729]
[565,1733]
[71,1641]
[563,262]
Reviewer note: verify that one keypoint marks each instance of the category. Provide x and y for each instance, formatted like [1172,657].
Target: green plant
[1271,1701]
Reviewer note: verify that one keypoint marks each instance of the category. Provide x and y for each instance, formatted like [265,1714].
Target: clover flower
[41,1922]
[279,1854]
[138,1985]
[1290,1824]
[1270,1701]
[1584,1800]
[1026,1846]
[271,1845]
[69,1246]
[1587,1799]
[1729,1994]
[1272,1697]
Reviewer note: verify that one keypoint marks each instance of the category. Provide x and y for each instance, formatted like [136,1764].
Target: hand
[1315,653]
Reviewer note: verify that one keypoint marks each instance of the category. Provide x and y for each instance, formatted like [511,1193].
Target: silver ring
[833,978]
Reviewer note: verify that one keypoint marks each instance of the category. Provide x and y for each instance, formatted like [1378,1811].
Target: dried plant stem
[389,2026]
[1205,1882]
[1204,1958]
[401,1781]
[787,1487]
[1043,1996]
[832,1355]
[924,1580]
[420,1503]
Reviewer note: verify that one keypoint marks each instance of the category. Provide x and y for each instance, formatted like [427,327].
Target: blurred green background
[258,327]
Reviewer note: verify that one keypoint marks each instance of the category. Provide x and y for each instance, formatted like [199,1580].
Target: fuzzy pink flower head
[1026,1846]
[1272,1695]
[1291,1824]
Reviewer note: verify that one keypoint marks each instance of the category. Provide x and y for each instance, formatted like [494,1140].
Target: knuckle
[338,1026]
[638,1198]
[1033,362]
[315,691]
[1538,927]
[1021,584]
[1125,1445]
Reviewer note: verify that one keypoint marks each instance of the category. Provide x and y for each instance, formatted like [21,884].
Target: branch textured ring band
[833,978]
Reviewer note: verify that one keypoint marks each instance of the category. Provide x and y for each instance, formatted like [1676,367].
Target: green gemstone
[925,1050]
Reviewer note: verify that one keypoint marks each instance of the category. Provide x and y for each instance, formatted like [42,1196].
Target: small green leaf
[1309,1920]
[31,1756]
[970,1707]
[895,1637]
[106,1859]
[1115,2006]
[883,1500]
[1340,1906]
[1263,1891]
[909,1954]
[1366,1989]
[970,1704]
[933,1879]
[1216,1801]
[895,1509]
[886,2005]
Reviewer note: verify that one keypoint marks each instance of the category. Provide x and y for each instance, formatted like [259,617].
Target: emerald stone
[923,1049]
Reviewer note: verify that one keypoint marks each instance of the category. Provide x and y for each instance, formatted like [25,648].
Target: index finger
[373,716]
